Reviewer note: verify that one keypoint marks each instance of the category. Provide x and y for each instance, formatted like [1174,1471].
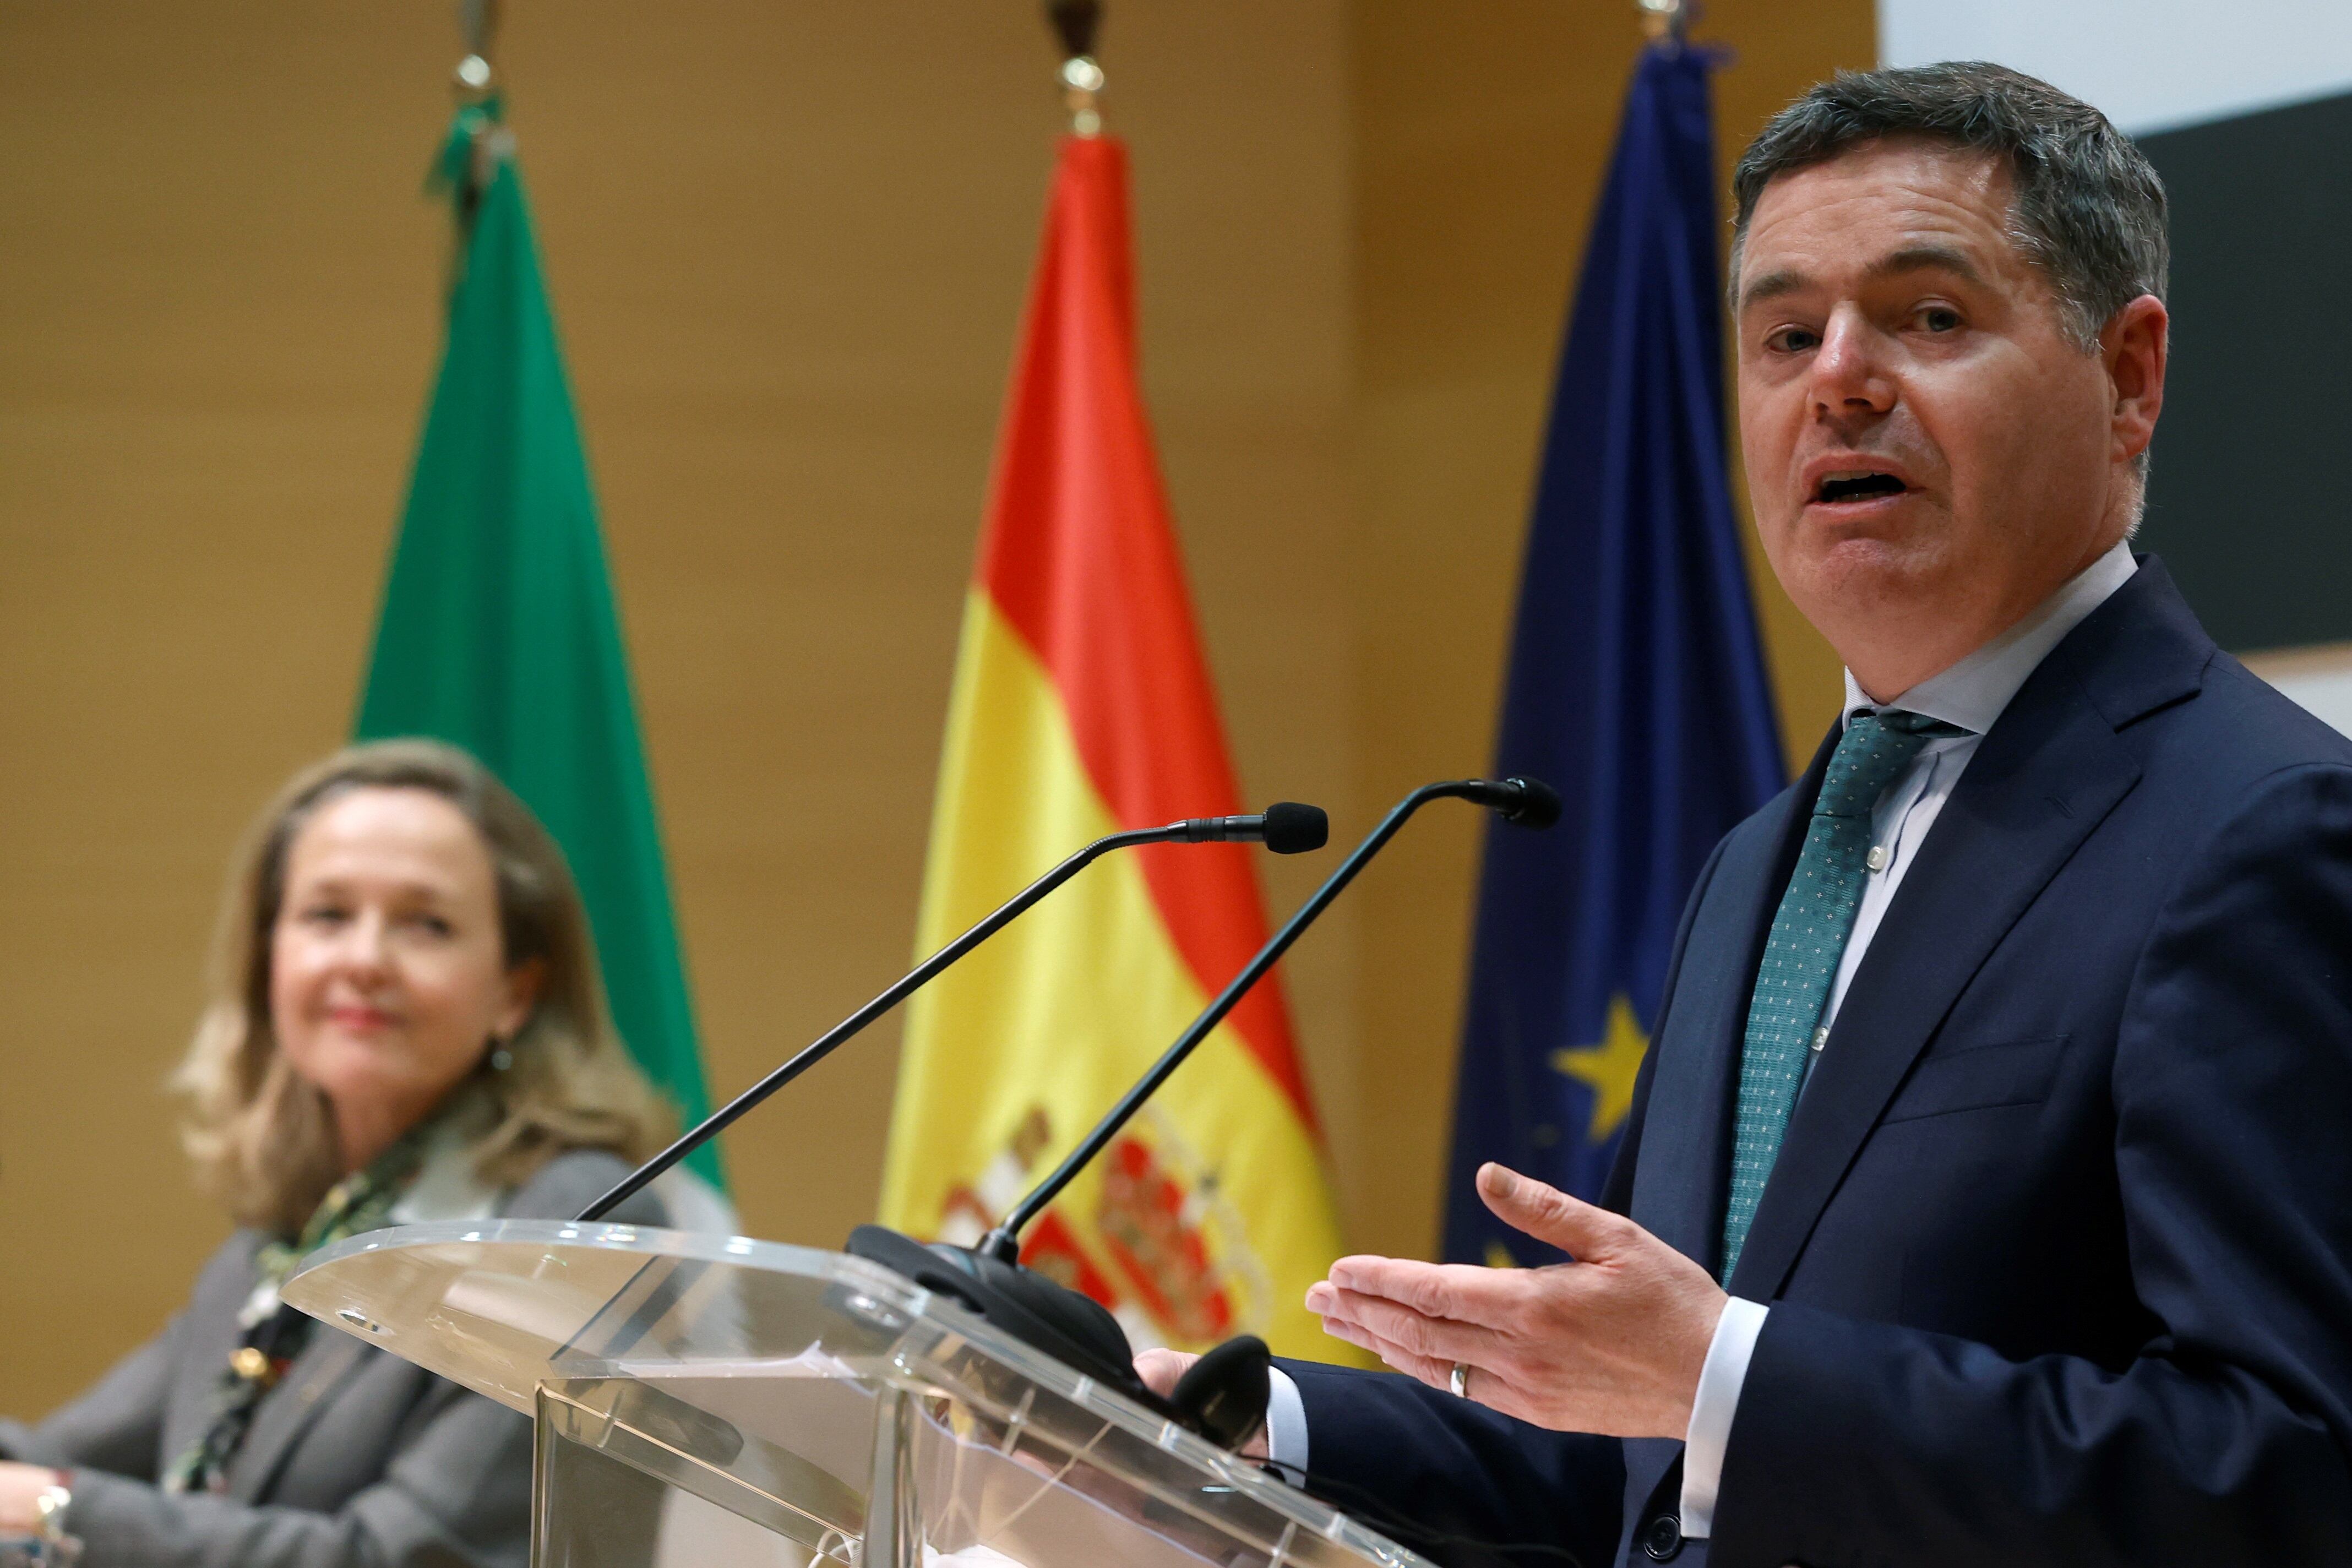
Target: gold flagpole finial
[1075,22]
[479,19]
[478,141]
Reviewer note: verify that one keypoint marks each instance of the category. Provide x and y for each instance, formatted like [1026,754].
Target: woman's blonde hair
[262,1139]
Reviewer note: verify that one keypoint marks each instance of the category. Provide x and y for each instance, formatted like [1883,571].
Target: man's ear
[524,982]
[2134,346]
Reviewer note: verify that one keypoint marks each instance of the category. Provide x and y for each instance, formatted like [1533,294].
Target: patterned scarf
[275,1334]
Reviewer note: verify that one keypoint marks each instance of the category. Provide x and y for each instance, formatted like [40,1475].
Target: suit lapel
[1678,1181]
[329,1359]
[2025,810]
[209,1336]
[2045,775]
[2040,784]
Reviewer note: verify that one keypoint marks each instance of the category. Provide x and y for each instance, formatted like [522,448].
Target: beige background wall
[787,244]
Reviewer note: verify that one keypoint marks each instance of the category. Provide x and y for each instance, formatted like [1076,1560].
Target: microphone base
[1073,1328]
[1222,1397]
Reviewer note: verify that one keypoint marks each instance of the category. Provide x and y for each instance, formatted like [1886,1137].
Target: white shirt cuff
[1711,1412]
[1285,1426]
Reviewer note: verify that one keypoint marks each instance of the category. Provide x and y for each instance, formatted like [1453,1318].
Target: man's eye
[1792,340]
[1941,319]
[433,925]
[325,914]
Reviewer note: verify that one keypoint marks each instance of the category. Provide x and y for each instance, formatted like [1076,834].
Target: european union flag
[1636,683]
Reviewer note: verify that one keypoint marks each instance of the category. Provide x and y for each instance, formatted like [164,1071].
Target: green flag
[499,632]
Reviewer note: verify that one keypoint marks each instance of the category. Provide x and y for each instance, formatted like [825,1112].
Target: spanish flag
[1082,706]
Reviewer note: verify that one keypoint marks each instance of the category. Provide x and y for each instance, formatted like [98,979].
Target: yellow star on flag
[1609,1067]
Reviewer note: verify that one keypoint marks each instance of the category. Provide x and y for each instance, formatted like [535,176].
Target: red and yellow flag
[1082,706]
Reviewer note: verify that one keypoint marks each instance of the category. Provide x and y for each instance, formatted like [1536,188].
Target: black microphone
[1522,802]
[1528,803]
[1285,827]
[1223,1396]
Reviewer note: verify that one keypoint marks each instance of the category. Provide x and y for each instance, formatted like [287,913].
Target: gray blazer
[355,1459]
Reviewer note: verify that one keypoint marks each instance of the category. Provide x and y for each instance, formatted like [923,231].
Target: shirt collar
[1972,693]
[448,1186]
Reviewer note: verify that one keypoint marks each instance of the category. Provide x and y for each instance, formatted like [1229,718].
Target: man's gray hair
[2089,206]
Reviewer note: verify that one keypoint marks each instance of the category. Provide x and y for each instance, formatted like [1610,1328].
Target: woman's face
[387,973]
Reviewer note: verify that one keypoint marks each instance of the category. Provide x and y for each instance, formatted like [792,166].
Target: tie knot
[1874,748]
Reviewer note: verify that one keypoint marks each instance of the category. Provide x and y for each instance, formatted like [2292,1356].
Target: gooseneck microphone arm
[1285,827]
[1527,802]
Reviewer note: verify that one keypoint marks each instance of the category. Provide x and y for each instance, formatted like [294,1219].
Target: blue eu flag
[1637,684]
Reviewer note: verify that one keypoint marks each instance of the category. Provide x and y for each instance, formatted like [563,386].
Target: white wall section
[2152,65]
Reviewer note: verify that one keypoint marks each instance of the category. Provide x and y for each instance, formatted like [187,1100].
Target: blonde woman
[406,1024]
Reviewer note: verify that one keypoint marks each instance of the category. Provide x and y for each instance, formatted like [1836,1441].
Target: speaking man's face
[1929,455]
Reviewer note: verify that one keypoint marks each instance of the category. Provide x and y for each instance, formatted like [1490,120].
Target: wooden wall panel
[787,244]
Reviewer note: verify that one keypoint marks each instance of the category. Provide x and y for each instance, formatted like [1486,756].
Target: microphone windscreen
[1293,829]
[1224,1396]
[1539,804]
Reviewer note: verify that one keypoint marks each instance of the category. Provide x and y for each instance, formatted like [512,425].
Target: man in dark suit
[1987,1192]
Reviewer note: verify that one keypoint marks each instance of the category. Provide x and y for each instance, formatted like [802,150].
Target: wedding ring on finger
[1460,1382]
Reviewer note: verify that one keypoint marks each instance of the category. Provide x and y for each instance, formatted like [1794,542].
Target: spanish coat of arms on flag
[1082,706]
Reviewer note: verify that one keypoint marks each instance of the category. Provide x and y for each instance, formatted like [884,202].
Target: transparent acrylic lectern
[702,1400]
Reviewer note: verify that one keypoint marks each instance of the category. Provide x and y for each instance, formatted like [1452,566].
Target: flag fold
[1082,705]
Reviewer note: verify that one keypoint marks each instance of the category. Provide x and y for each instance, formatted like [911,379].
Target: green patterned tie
[1809,936]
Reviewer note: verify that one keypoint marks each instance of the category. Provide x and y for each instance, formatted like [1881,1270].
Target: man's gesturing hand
[1612,1342]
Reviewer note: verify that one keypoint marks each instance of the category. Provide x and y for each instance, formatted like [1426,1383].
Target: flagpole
[479,19]
[1075,22]
[476,84]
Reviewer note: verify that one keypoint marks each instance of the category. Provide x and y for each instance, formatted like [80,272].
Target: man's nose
[1850,372]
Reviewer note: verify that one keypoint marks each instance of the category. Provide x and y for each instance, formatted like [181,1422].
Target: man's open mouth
[1857,484]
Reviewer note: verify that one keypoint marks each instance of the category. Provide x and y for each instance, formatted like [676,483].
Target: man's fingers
[1433,1289]
[1484,1385]
[1576,1228]
[1160,1368]
[1440,1339]
[1428,1369]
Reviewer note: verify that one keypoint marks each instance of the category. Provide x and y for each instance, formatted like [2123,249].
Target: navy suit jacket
[2059,1245]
